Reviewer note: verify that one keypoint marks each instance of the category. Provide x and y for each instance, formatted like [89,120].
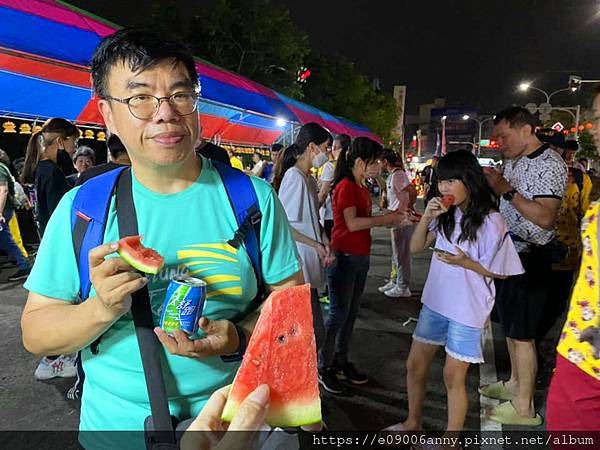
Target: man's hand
[114,281]
[497,182]
[221,339]
[249,417]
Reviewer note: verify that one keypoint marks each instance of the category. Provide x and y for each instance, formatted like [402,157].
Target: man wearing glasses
[148,90]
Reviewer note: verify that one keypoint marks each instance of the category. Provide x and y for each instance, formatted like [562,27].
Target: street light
[523,87]
[480,123]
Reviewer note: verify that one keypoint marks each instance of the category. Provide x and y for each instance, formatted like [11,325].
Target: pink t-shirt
[461,294]
[398,198]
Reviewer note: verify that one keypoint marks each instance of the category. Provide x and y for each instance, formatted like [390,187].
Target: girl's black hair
[362,147]
[344,141]
[310,132]
[462,165]
[392,157]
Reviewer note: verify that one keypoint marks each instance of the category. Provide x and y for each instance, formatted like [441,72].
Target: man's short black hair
[115,146]
[140,49]
[516,116]
[276,147]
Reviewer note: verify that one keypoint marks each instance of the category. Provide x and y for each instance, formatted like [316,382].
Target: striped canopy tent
[45,51]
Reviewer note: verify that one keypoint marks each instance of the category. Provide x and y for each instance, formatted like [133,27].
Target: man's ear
[107,114]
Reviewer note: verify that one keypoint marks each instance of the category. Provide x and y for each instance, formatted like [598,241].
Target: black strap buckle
[254,217]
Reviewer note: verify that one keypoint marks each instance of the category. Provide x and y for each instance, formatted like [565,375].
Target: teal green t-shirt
[190,229]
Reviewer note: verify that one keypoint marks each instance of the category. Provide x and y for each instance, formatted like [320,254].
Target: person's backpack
[268,174]
[88,219]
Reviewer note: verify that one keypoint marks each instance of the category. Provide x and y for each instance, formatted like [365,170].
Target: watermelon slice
[281,353]
[139,257]
[448,201]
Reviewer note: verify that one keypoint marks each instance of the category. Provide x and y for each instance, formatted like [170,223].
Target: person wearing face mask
[41,165]
[50,184]
[299,196]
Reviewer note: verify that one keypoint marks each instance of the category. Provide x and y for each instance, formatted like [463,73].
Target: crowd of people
[507,244]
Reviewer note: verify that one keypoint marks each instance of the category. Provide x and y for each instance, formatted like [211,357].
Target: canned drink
[183,305]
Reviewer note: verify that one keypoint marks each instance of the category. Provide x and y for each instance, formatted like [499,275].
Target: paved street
[380,347]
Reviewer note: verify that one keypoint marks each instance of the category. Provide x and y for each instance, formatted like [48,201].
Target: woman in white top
[299,196]
[341,143]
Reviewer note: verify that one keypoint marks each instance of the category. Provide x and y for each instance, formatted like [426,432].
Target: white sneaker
[63,366]
[386,287]
[398,291]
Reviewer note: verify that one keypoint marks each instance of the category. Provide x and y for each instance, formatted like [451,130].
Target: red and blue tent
[45,50]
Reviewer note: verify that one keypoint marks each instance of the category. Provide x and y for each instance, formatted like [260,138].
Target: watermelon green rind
[136,264]
[139,257]
[290,415]
[282,354]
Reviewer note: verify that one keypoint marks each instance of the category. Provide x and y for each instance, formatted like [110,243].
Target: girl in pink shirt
[472,248]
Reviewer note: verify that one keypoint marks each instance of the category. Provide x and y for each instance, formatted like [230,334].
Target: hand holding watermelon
[448,201]
[249,417]
[114,281]
[282,354]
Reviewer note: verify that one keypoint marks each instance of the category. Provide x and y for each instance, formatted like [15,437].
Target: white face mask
[319,160]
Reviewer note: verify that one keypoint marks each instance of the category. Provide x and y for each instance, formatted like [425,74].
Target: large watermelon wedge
[282,354]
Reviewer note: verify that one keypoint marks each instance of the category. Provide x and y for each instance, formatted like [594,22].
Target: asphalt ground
[380,347]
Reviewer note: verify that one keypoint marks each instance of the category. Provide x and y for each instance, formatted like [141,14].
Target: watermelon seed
[281,339]
[293,332]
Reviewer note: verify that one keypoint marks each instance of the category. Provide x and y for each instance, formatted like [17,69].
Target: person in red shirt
[351,241]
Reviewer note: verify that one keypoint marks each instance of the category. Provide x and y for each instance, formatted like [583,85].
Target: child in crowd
[401,196]
[472,246]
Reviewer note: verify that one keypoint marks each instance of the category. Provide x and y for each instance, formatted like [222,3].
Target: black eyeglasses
[145,106]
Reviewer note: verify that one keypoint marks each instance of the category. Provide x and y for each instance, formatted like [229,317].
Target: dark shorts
[523,300]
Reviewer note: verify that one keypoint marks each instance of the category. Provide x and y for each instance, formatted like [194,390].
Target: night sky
[472,52]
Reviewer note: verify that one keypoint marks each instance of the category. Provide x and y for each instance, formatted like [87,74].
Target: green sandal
[496,390]
[506,414]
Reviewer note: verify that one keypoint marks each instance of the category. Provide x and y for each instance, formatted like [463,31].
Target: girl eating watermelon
[472,246]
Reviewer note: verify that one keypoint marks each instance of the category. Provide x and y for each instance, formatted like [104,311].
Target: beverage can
[183,305]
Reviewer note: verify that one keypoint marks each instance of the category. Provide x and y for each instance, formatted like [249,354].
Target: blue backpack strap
[88,220]
[244,203]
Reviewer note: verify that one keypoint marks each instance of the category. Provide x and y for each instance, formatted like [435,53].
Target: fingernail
[114,246]
[260,395]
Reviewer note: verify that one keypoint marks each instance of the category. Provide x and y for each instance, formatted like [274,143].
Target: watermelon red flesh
[282,354]
[139,257]
[448,201]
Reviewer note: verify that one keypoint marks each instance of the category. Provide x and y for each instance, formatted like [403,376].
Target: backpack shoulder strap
[88,220]
[244,203]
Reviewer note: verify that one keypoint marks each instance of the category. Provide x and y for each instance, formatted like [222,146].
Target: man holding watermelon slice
[148,92]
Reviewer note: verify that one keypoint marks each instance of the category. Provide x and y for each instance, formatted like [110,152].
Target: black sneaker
[20,274]
[349,373]
[329,381]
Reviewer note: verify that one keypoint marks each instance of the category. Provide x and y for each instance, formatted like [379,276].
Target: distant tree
[337,88]
[255,38]
[164,17]
[587,147]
